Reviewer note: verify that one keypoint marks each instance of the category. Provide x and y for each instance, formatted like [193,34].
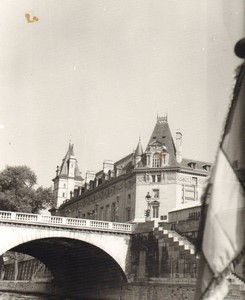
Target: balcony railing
[54,221]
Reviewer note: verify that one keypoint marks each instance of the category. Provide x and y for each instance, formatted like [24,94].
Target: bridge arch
[80,260]
[114,245]
[77,266]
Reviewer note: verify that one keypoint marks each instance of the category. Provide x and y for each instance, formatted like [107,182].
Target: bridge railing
[64,221]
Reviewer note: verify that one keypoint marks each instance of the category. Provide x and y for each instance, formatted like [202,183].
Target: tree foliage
[17,192]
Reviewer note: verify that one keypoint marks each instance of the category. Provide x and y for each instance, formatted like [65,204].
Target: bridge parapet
[54,221]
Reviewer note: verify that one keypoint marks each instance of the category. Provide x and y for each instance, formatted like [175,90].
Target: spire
[64,169]
[138,154]
[71,149]
[139,150]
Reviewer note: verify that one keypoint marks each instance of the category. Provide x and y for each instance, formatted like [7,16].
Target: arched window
[156,162]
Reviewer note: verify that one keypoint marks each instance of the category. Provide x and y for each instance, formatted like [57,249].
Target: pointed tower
[160,150]
[68,177]
[138,154]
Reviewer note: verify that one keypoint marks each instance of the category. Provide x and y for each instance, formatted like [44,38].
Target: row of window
[106,213]
[157,178]
[194,215]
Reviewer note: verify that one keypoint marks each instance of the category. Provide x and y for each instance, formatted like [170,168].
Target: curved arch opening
[78,268]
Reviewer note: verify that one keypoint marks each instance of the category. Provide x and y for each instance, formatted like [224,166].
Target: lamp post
[148,210]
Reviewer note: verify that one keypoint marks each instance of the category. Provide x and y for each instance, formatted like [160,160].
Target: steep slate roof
[123,163]
[162,135]
[64,166]
[77,171]
[199,165]
[139,150]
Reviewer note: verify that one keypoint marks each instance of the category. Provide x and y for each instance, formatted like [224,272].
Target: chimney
[107,166]
[90,175]
[178,146]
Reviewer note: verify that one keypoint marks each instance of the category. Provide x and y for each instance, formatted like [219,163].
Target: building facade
[144,185]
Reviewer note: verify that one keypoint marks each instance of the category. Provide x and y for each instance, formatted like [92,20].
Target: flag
[222,226]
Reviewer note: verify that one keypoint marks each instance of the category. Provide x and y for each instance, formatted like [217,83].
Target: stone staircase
[181,240]
[236,281]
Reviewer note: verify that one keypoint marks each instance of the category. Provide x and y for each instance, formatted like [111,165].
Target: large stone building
[141,186]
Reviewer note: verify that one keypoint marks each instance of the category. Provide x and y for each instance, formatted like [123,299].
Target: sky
[97,73]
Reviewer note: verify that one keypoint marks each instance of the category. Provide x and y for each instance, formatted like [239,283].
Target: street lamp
[148,210]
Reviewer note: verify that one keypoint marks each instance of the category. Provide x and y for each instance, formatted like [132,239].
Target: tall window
[156,162]
[155,212]
[189,193]
[107,212]
[128,214]
[156,194]
[113,211]
[101,213]
[194,180]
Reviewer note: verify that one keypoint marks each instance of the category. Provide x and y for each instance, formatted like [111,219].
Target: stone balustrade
[19,217]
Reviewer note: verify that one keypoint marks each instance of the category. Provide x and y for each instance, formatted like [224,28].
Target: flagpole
[212,280]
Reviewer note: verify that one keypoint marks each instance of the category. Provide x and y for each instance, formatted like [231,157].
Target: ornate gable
[161,144]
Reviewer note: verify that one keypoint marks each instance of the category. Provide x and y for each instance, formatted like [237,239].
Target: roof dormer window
[192,165]
[207,167]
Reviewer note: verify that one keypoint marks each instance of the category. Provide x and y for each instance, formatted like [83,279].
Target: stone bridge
[82,255]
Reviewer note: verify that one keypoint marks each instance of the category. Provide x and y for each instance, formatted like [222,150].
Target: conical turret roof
[139,150]
[64,166]
[162,134]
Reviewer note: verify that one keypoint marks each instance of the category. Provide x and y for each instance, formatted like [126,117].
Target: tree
[17,192]
[43,199]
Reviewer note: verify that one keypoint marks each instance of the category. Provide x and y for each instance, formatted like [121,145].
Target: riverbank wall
[140,291]
[131,291]
[28,287]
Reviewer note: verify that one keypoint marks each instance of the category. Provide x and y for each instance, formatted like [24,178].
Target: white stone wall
[167,196]
[174,189]
[184,181]
[62,185]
